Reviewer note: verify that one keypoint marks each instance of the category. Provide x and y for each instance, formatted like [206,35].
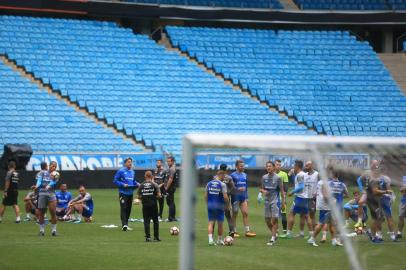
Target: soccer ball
[228,241]
[174,230]
[55,175]
[136,201]
[359,230]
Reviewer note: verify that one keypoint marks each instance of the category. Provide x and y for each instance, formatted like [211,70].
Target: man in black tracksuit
[148,193]
[159,179]
[171,181]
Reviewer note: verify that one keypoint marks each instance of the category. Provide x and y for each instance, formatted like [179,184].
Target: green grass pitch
[88,246]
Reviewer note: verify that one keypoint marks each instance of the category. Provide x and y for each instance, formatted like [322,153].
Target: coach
[124,180]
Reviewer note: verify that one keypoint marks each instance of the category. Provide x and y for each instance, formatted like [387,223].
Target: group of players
[43,197]
[226,194]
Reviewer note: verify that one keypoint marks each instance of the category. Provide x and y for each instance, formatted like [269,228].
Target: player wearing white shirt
[324,215]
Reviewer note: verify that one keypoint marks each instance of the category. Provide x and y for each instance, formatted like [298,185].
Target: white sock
[273,238]
[210,237]
[311,238]
[289,232]
[53,227]
[359,220]
[28,216]
[311,232]
[301,233]
[41,227]
[324,234]
[18,219]
[392,235]
[220,238]
[399,232]
[247,228]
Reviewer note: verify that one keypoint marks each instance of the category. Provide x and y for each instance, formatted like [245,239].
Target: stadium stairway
[396,64]
[166,42]
[289,4]
[140,146]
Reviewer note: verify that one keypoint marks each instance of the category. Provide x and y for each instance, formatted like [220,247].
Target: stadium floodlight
[315,148]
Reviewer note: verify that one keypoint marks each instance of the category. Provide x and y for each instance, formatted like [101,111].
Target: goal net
[346,158]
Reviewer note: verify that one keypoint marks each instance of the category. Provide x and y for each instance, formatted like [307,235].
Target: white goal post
[312,146]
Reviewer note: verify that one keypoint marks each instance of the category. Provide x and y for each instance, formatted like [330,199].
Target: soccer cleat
[270,243]
[212,243]
[18,221]
[236,235]
[368,234]
[312,242]
[27,219]
[336,243]
[399,236]
[157,239]
[147,239]
[323,240]
[358,224]
[376,240]
[220,243]
[77,221]
[125,228]
[129,228]
[286,236]
[54,233]
[299,236]
[41,233]
[250,234]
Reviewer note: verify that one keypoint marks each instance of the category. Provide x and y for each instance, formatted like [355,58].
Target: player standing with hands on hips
[124,180]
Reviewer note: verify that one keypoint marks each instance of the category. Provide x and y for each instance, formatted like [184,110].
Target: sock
[301,233]
[324,234]
[247,228]
[1,218]
[347,221]
[28,216]
[210,237]
[399,232]
[379,234]
[392,235]
[311,232]
[41,227]
[18,219]
[289,232]
[273,238]
[220,238]
[311,238]
[53,227]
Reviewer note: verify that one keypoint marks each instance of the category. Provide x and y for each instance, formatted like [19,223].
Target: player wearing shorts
[63,197]
[362,183]
[374,194]
[45,187]
[159,179]
[230,189]
[239,199]
[386,205]
[217,200]
[300,205]
[10,195]
[30,202]
[351,210]
[83,204]
[285,180]
[402,212]
[271,186]
[325,217]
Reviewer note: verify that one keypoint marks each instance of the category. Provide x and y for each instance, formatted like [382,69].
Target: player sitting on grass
[217,199]
[63,197]
[83,204]
[351,211]
[30,202]
[324,215]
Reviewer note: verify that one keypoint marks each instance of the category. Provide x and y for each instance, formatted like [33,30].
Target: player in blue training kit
[83,204]
[351,210]
[402,209]
[217,200]
[239,199]
[63,197]
[386,206]
[124,180]
[301,203]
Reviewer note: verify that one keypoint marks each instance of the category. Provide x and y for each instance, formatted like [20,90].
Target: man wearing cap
[124,180]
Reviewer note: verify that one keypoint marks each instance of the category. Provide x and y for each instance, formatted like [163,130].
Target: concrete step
[289,4]
[396,64]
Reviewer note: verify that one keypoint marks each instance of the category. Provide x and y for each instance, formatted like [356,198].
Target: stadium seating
[343,4]
[397,4]
[30,115]
[327,79]
[132,82]
[273,4]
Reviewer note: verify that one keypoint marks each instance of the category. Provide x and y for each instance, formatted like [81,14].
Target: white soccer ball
[55,175]
[174,230]
[228,241]
[136,201]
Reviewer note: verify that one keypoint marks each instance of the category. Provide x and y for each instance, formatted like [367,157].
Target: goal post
[315,148]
